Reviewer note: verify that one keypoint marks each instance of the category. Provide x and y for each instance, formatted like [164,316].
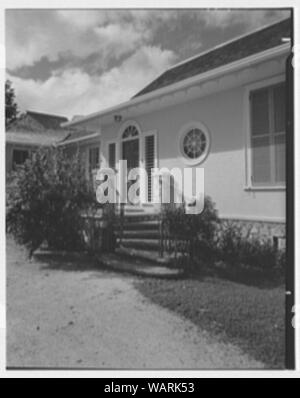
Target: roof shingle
[242,47]
[46,120]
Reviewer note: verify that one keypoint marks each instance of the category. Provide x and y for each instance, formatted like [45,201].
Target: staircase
[140,247]
[138,233]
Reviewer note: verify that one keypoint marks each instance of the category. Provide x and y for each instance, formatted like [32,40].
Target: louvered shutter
[149,161]
[112,155]
[260,137]
[94,158]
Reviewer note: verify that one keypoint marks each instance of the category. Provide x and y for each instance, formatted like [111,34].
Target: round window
[194,144]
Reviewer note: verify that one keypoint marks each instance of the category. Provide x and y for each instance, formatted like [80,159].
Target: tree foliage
[11,107]
[50,192]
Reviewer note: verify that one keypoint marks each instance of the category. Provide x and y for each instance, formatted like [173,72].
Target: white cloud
[119,39]
[34,34]
[83,19]
[249,19]
[75,92]
[30,35]
[87,19]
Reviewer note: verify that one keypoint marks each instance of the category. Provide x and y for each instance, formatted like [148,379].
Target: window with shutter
[268,135]
[112,155]
[149,161]
[94,158]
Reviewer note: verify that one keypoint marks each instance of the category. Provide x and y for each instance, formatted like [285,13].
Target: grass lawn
[250,317]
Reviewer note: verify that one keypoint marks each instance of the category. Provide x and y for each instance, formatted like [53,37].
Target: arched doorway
[130,149]
[130,146]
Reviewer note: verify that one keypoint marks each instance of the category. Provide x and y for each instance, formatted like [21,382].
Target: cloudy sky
[73,62]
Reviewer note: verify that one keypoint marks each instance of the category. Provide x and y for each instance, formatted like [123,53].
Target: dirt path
[72,317]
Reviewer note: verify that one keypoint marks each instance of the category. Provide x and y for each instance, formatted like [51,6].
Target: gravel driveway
[67,314]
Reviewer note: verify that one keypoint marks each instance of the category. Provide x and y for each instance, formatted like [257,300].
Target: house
[31,131]
[222,110]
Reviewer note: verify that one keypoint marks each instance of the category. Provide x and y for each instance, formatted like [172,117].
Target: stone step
[147,255]
[139,216]
[140,226]
[116,262]
[144,255]
[137,219]
[144,244]
[134,210]
[147,206]
[139,234]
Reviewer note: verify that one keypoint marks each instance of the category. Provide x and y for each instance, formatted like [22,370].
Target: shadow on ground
[261,280]
[82,262]
[75,262]
[67,261]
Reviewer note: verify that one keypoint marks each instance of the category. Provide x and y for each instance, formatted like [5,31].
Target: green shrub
[209,244]
[200,227]
[238,250]
[281,262]
[191,234]
[50,192]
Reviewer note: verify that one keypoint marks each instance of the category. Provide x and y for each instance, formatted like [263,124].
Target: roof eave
[79,139]
[30,144]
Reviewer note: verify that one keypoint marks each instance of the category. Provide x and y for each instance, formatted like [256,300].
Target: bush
[50,192]
[281,262]
[191,234]
[201,226]
[240,251]
[235,249]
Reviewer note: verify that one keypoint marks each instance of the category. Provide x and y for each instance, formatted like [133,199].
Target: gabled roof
[31,130]
[255,42]
[28,138]
[36,129]
[46,120]
[36,122]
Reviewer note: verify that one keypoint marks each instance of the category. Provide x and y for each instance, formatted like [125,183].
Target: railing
[122,220]
[177,245]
